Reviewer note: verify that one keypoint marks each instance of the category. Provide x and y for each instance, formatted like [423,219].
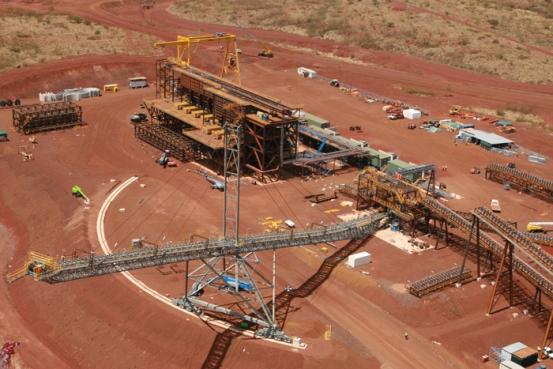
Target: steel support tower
[233,284]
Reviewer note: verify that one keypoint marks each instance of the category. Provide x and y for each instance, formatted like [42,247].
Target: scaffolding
[44,117]
[436,281]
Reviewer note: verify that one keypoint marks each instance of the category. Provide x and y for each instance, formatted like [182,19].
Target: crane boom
[266,52]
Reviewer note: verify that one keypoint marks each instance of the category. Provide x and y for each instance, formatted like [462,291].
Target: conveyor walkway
[489,243]
[45,268]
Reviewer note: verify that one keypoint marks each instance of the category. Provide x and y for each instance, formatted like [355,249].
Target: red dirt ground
[107,322]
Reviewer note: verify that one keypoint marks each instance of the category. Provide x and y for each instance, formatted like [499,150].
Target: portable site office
[138,82]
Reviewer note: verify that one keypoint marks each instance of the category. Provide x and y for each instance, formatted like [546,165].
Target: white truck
[495,206]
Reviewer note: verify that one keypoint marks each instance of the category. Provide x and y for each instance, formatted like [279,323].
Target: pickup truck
[395,116]
[495,206]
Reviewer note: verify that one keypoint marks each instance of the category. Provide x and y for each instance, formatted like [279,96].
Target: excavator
[266,52]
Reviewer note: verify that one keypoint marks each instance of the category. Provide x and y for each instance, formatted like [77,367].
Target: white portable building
[307,72]
[359,259]
[412,114]
[138,82]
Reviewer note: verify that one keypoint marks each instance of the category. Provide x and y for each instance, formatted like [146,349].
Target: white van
[289,223]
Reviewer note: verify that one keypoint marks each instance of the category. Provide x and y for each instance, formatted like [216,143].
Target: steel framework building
[198,104]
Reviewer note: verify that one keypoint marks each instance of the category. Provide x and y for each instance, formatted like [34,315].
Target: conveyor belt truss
[436,281]
[67,270]
[524,182]
[521,267]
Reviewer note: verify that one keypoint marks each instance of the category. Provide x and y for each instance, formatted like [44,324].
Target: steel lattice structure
[44,117]
[521,181]
[179,146]
[436,281]
[90,266]
[489,244]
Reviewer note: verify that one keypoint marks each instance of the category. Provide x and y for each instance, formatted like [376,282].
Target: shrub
[501,113]
[75,18]
[493,22]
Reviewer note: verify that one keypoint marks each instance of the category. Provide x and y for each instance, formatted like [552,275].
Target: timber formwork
[524,182]
[191,100]
[44,117]
[437,281]
[180,147]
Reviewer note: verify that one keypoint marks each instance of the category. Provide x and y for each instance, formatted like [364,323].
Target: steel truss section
[180,147]
[166,83]
[524,182]
[516,238]
[152,256]
[235,276]
[44,117]
[490,244]
[436,281]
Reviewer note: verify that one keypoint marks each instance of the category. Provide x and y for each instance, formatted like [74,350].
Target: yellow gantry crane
[186,46]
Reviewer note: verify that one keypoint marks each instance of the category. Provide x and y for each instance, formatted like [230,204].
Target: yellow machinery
[457,109]
[185,51]
[35,266]
[266,52]
[328,333]
[537,227]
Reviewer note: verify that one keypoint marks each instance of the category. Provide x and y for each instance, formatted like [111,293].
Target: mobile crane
[267,53]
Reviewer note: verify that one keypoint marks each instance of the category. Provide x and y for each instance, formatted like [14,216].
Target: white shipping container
[359,259]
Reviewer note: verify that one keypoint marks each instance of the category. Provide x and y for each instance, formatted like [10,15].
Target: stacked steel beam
[436,281]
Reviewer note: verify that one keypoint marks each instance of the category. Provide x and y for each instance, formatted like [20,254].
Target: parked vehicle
[495,206]
[395,116]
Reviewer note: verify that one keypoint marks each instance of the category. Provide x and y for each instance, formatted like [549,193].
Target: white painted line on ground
[104,244]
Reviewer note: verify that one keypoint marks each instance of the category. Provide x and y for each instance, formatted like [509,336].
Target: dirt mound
[81,71]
